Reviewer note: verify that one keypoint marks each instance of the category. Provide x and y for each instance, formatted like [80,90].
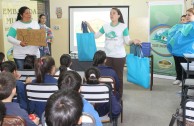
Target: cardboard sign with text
[35,37]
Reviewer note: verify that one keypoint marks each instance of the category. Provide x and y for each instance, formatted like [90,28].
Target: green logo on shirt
[111,34]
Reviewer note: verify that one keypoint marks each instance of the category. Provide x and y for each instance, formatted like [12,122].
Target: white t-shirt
[20,52]
[115,39]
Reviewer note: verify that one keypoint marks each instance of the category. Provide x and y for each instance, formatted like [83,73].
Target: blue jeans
[19,63]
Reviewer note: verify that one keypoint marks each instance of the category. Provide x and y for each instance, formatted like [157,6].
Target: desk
[188,68]
[80,65]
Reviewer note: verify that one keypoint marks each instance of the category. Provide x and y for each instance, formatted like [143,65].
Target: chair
[26,73]
[188,113]
[110,80]
[97,93]
[39,92]
[10,120]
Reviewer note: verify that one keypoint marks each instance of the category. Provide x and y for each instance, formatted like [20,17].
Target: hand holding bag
[138,68]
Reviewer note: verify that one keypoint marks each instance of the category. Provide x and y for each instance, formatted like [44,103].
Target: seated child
[64,108]
[92,75]
[29,61]
[99,61]
[65,61]
[44,71]
[7,92]
[71,80]
[10,66]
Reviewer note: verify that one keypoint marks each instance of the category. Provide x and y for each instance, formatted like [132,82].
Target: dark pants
[178,60]
[117,64]
[19,63]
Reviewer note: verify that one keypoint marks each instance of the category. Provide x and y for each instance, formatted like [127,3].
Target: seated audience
[10,66]
[2,112]
[29,62]
[71,80]
[65,61]
[92,76]
[99,61]
[7,92]
[64,108]
[44,71]
[2,57]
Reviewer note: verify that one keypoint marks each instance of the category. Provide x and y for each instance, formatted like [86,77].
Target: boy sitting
[7,92]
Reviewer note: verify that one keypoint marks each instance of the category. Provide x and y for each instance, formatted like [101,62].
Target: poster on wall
[9,15]
[163,15]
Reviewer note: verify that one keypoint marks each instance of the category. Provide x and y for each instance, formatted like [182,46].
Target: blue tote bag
[86,46]
[138,68]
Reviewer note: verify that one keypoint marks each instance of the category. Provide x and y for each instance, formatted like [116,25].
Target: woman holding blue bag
[180,41]
[116,36]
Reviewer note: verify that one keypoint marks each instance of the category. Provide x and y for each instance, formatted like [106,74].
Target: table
[80,65]
[188,68]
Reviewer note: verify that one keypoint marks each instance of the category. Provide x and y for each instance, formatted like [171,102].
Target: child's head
[92,75]
[29,62]
[99,58]
[183,19]
[10,66]
[190,15]
[69,80]
[64,108]
[7,85]
[65,61]
[44,65]
[2,57]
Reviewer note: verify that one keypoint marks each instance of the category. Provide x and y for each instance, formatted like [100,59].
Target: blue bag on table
[138,67]
[86,46]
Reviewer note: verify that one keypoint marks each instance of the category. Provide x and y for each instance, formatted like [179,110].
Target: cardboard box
[35,37]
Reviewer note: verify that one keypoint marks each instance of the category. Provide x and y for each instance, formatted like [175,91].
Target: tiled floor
[143,107]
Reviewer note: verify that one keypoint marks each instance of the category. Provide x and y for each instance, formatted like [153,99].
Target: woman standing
[116,36]
[49,36]
[21,48]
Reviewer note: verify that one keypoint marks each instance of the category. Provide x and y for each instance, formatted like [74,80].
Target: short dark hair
[63,108]
[99,58]
[65,61]
[8,66]
[2,56]
[69,80]
[92,74]
[7,84]
[29,61]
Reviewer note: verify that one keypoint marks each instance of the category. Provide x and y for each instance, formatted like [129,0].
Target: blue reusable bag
[86,46]
[138,68]
[181,39]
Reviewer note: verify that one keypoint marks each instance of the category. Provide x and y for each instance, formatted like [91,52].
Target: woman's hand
[23,44]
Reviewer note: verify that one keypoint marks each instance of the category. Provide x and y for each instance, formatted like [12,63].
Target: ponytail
[119,13]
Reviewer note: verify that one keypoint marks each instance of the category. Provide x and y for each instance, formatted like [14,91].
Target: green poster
[163,17]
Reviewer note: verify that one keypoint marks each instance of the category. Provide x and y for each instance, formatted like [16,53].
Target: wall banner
[163,15]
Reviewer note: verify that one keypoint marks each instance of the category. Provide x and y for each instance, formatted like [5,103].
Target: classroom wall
[138,22]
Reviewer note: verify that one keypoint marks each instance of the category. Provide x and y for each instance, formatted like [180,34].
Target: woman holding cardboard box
[21,48]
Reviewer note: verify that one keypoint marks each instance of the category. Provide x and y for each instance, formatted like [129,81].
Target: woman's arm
[90,28]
